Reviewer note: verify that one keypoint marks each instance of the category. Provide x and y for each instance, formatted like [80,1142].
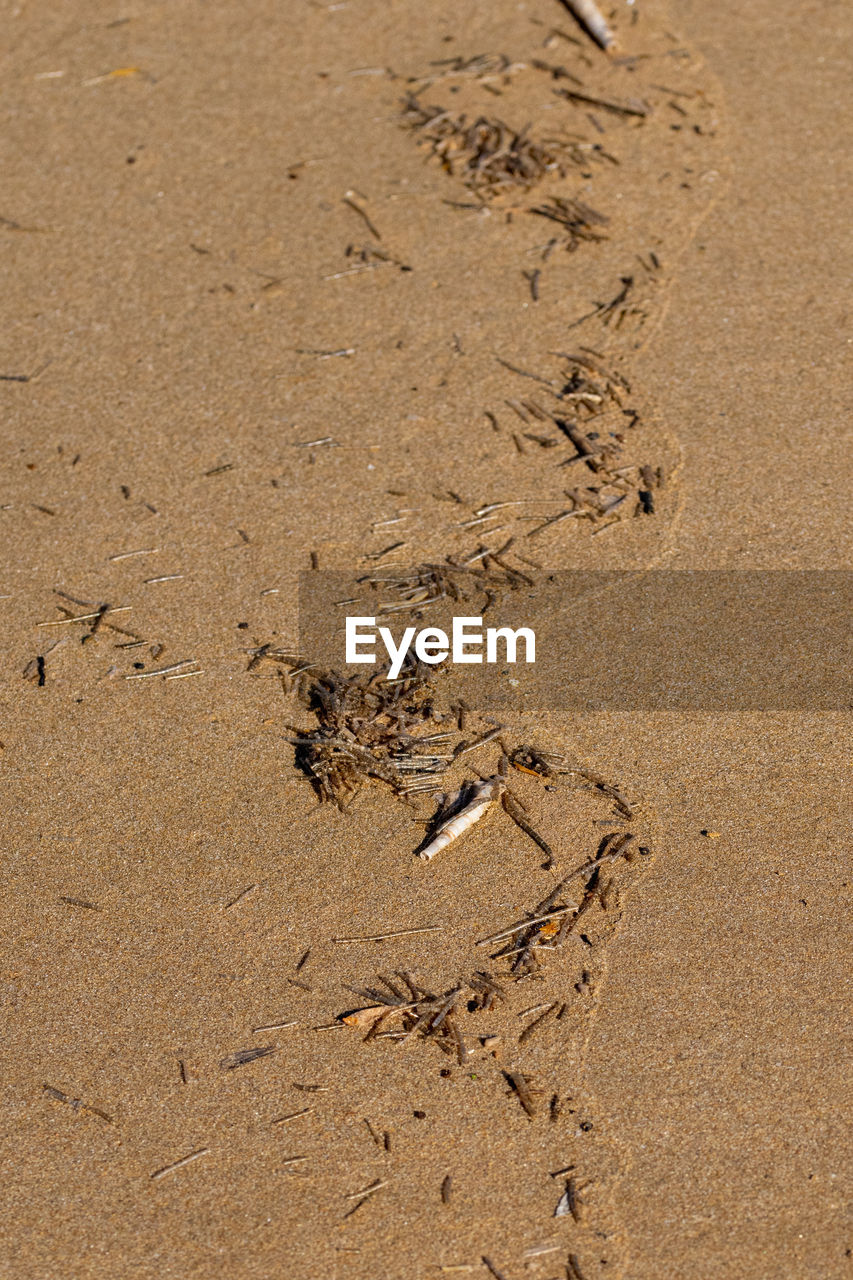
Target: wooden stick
[399,933]
[179,1164]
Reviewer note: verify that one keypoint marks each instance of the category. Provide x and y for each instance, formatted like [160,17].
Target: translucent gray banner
[661,640]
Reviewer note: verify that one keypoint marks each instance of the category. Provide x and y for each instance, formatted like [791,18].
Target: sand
[176,245]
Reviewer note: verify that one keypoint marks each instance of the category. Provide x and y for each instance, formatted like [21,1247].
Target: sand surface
[201,203]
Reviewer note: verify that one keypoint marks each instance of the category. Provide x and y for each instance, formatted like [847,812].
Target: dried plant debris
[404,1010]
[578,221]
[632,300]
[591,412]
[483,1019]
[490,157]
[587,903]
[485,68]
[631,107]
[367,257]
[549,924]
[370,727]
[477,580]
[528,939]
[493,158]
[393,731]
[551,764]
[377,728]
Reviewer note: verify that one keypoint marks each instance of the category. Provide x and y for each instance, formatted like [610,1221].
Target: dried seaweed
[592,413]
[476,581]
[371,727]
[579,222]
[482,67]
[418,1013]
[489,156]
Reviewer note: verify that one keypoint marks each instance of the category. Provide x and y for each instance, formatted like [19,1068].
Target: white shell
[589,14]
[483,796]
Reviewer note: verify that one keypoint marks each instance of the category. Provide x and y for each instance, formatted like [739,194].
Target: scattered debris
[366,729]
[579,222]
[422,1013]
[488,156]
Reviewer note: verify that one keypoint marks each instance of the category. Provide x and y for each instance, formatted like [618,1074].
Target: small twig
[351,200]
[127,555]
[84,617]
[465,747]
[366,1191]
[162,671]
[532,1026]
[511,808]
[179,1164]
[325,355]
[23,377]
[399,933]
[608,104]
[239,898]
[525,924]
[294,1115]
[244,1056]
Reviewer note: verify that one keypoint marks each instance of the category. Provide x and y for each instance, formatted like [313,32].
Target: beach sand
[201,204]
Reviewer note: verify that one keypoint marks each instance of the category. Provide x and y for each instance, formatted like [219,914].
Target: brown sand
[168,234]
